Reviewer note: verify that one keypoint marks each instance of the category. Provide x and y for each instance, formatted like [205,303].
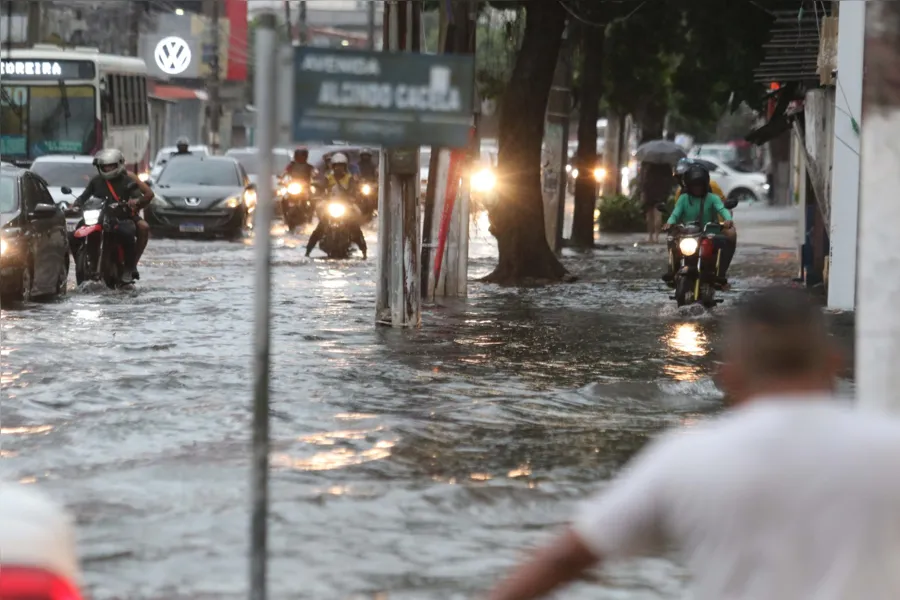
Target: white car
[60,170]
[719,152]
[162,157]
[37,535]
[737,185]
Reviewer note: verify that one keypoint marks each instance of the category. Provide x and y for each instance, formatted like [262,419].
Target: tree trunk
[517,221]
[592,42]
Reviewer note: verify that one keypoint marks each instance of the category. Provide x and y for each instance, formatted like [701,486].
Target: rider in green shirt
[687,210]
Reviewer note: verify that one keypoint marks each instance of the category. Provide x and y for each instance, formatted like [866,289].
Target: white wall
[846,148]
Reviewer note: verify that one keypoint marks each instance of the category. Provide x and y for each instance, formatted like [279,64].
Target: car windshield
[250,161]
[59,174]
[47,119]
[200,172]
[8,200]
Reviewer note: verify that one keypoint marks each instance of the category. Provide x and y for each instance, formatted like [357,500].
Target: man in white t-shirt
[792,495]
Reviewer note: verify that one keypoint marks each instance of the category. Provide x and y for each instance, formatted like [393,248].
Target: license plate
[191,228]
[70,226]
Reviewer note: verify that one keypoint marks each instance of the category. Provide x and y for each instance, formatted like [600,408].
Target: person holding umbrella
[656,180]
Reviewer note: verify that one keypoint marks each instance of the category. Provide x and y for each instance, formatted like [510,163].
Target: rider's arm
[146,192]
[719,206]
[675,217]
[87,193]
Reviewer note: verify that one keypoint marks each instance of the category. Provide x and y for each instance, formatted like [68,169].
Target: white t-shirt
[781,499]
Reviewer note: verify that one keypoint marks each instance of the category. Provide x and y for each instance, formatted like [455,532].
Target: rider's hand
[728,224]
[666,226]
[133,204]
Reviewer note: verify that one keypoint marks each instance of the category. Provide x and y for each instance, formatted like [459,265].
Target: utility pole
[137,9]
[878,321]
[35,23]
[556,140]
[398,296]
[288,26]
[301,24]
[371,23]
[215,102]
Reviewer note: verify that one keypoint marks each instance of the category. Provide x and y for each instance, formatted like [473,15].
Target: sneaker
[135,275]
[127,278]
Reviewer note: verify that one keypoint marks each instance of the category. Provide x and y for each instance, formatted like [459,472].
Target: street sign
[392,99]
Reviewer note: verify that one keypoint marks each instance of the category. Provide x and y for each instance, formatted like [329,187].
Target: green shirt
[687,210]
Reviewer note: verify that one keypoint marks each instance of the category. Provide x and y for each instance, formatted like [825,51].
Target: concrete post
[846,146]
[398,297]
[878,320]
[556,141]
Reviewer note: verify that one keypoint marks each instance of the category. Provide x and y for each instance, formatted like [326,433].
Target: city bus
[56,100]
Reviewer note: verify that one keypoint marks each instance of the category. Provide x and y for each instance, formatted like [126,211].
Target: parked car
[737,185]
[60,170]
[725,153]
[208,196]
[162,157]
[39,559]
[34,247]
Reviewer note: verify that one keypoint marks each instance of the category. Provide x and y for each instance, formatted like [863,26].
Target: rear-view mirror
[43,211]
[65,189]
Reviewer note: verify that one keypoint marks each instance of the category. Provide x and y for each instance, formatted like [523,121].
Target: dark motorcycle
[297,207]
[368,197]
[98,254]
[694,256]
[339,215]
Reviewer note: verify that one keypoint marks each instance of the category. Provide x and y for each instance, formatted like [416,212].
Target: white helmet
[339,159]
[110,162]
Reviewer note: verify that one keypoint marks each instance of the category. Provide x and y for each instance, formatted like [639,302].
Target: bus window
[142,96]
[119,99]
[134,116]
[13,119]
[110,104]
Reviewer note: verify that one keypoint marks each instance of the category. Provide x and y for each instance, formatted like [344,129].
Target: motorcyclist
[698,197]
[299,168]
[340,178]
[182,146]
[367,169]
[111,183]
[681,168]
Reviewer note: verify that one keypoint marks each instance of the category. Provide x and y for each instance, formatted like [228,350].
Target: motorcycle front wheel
[684,290]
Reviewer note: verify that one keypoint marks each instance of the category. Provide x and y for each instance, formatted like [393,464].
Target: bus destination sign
[46,69]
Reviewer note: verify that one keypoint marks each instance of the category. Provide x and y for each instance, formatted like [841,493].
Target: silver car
[60,170]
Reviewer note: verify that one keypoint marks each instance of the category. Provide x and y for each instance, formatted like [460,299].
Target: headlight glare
[144,176]
[3,246]
[336,210]
[575,173]
[484,180]
[233,202]
[599,174]
[91,217]
[366,189]
[250,197]
[688,246]
[294,188]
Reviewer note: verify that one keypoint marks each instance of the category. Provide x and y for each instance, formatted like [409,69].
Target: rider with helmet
[367,169]
[299,168]
[182,146]
[341,179]
[111,183]
[681,168]
[699,204]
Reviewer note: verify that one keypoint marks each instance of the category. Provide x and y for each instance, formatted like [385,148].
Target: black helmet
[696,175]
[301,153]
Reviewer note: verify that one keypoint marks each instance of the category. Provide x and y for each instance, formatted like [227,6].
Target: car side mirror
[730,204]
[65,189]
[43,211]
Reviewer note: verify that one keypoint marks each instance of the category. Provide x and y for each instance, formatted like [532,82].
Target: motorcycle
[368,197]
[339,214]
[98,254]
[296,202]
[694,259]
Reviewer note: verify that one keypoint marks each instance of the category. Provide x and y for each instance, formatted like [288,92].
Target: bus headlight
[688,246]
[484,181]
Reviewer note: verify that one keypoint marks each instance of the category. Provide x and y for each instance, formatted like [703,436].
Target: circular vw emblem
[173,55]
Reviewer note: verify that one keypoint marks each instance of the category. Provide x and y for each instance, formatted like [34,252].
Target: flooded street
[406,464]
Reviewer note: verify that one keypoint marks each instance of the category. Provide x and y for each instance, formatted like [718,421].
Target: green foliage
[621,214]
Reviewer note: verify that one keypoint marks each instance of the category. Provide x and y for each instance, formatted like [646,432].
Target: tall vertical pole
[215,103]
[398,299]
[266,104]
[557,139]
[35,23]
[878,320]
[371,24]
[137,9]
[846,147]
[288,26]
[301,22]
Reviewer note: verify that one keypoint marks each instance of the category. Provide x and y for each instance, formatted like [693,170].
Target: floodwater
[405,464]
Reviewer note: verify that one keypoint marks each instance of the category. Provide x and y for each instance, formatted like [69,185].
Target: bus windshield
[47,119]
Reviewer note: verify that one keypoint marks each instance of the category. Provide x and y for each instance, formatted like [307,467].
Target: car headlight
[568,168]
[575,173]
[336,209]
[688,246]
[294,188]
[766,187]
[160,202]
[232,202]
[250,197]
[599,174]
[91,217]
[484,180]
[366,189]
[3,247]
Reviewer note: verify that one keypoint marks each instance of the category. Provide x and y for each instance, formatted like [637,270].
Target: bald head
[777,336]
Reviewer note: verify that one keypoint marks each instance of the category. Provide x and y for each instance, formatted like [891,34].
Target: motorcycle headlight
[599,174]
[688,246]
[575,173]
[484,180]
[91,217]
[250,197]
[366,189]
[3,247]
[144,176]
[294,188]
[568,168]
[336,209]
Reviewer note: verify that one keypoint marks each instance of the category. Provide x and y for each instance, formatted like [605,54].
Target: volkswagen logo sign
[172,55]
[192,201]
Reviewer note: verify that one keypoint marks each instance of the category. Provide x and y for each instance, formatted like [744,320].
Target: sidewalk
[773,227]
